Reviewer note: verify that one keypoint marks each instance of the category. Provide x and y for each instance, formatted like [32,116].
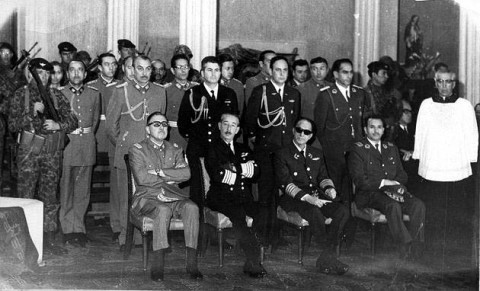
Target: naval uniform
[299,173]
[175,92]
[339,125]
[368,167]
[78,158]
[127,114]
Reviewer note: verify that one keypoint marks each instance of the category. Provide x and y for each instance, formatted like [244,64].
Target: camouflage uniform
[6,90]
[39,169]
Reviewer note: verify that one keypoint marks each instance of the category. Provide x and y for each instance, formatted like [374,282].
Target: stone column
[198,28]
[122,22]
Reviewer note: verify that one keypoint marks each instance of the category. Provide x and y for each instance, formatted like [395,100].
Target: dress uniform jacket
[85,104]
[145,156]
[297,175]
[339,123]
[221,164]
[274,137]
[127,113]
[251,83]
[175,92]
[106,90]
[239,89]
[369,167]
[309,93]
[204,131]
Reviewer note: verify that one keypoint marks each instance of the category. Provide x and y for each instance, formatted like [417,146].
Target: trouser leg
[114,201]
[339,214]
[161,224]
[66,199]
[49,168]
[190,216]
[81,199]
[415,208]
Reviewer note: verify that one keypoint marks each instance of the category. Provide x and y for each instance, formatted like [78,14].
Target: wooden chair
[143,223]
[374,217]
[216,219]
[295,220]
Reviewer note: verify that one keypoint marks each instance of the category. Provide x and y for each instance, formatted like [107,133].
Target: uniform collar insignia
[353,90]
[76,91]
[367,146]
[334,91]
[183,87]
[143,89]
[224,82]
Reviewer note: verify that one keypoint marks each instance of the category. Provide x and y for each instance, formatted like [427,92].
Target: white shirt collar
[279,87]
[374,143]
[210,89]
[343,90]
[299,149]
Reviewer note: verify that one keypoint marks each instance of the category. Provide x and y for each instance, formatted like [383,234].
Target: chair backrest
[205,177]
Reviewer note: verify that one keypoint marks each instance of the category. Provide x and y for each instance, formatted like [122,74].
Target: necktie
[377,146]
[347,94]
[230,145]
[405,128]
[302,156]
[280,94]
[213,95]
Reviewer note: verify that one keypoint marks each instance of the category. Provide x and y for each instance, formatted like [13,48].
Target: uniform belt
[102,117]
[81,130]
[172,124]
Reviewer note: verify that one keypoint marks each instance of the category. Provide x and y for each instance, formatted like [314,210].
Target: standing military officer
[200,111]
[106,84]
[299,73]
[67,52]
[130,105]
[41,141]
[271,114]
[127,67]
[261,78]
[180,66]
[338,115]
[227,65]
[79,155]
[126,49]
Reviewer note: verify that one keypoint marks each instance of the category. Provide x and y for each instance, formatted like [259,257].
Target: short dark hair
[261,57]
[105,55]
[223,58]
[299,63]
[437,66]
[336,65]
[141,57]
[318,60]
[367,117]
[79,60]
[231,114]
[209,59]
[173,61]
[276,59]
[156,113]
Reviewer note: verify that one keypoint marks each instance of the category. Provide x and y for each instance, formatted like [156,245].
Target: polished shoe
[194,274]
[254,270]
[339,268]
[158,260]
[192,265]
[82,239]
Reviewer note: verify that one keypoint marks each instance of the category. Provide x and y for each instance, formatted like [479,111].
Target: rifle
[144,48]
[25,54]
[50,112]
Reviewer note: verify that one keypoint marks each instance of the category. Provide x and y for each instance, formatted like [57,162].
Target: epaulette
[122,85]
[167,85]
[158,84]
[92,82]
[390,144]
[175,145]
[194,83]
[61,88]
[111,84]
[324,88]
[137,145]
[357,86]
[359,144]
[93,88]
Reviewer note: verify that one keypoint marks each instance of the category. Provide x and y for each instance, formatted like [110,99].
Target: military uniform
[309,92]
[239,89]
[339,125]
[175,92]
[39,165]
[368,168]
[251,83]
[198,119]
[230,192]
[158,198]
[7,89]
[127,113]
[78,158]
[299,173]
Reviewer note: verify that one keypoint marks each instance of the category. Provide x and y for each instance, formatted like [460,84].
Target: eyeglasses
[158,124]
[406,111]
[444,82]
[305,131]
[182,67]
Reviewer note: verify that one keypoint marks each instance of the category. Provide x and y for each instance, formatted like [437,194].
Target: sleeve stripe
[292,190]
[229,177]
[247,170]
[326,183]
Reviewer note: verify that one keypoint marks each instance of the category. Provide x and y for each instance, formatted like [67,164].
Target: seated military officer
[158,166]
[301,173]
[379,177]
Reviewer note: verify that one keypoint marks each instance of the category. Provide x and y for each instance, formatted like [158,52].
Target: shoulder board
[93,88]
[137,145]
[122,85]
[158,84]
[167,85]
[358,87]
[390,144]
[111,84]
[61,88]
[175,145]
[194,83]
[324,88]
[359,144]
[92,82]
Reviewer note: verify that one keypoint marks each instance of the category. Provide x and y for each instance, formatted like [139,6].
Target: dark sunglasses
[305,131]
[158,124]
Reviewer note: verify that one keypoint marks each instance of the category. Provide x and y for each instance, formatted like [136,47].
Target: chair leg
[205,240]
[300,245]
[145,250]
[128,241]
[220,247]
[372,238]
[262,254]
